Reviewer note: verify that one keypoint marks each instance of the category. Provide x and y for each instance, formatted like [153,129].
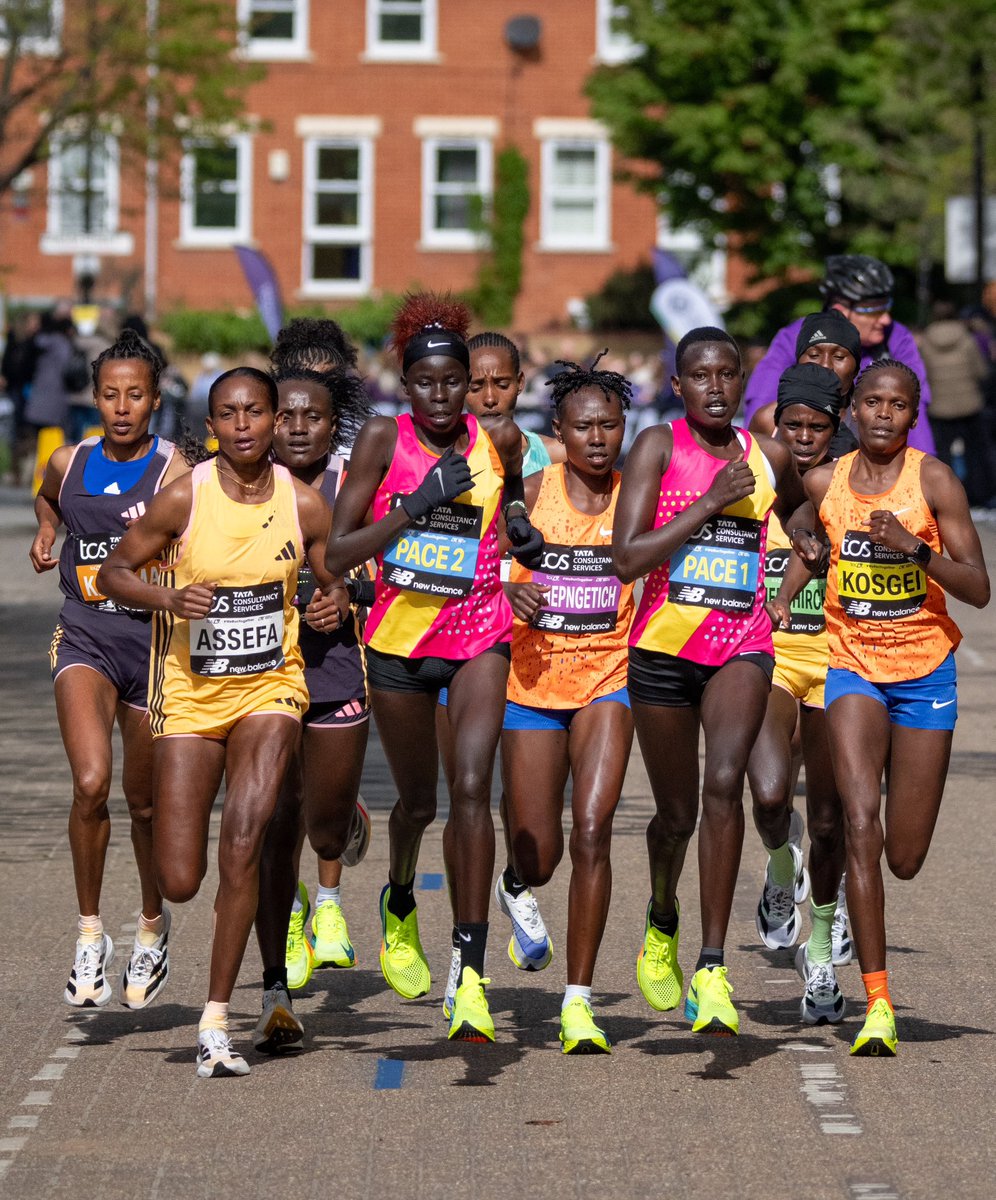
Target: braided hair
[489,340]
[312,344]
[349,400]
[889,364]
[130,345]
[575,378]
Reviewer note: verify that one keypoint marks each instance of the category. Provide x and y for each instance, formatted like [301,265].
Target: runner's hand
[813,552]
[527,599]
[192,602]
[326,612]
[41,551]
[779,614]
[733,483]
[449,478]
[885,530]
[526,542]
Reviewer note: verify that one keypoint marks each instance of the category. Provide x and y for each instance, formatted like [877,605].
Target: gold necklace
[249,487]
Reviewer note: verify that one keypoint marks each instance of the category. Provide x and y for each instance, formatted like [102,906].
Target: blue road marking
[390,1072]
[430,881]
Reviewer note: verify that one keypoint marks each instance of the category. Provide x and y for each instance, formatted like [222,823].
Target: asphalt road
[106,1104]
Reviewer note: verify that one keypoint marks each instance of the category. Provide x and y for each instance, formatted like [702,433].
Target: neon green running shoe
[708,1005]
[300,959]
[878,1038]
[578,1031]
[657,970]
[401,956]
[331,937]
[470,1020]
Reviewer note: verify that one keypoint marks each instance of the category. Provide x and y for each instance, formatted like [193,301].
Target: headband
[830,326]
[813,386]
[435,340]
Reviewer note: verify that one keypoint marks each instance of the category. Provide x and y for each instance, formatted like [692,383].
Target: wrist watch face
[921,555]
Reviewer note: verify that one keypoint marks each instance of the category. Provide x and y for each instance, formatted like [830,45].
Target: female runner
[806,417]
[692,515]
[900,537]
[568,709]
[227,679]
[97,489]
[324,779]
[434,483]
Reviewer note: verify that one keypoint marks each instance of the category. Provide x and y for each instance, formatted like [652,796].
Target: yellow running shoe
[471,1020]
[877,1038]
[401,956]
[708,1005]
[300,959]
[578,1031]
[657,970]
[331,937]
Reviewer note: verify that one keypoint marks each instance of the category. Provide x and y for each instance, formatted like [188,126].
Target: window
[575,195]
[275,29]
[36,23]
[401,29]
[338,224]
[612,45]
[83,197]
[456,189]
[216,193]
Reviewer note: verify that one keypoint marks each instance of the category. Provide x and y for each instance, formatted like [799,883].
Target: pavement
[106,1104]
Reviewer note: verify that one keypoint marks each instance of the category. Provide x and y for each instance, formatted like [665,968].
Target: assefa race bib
[437,554]
[243,634]
[718,566]
[875,583]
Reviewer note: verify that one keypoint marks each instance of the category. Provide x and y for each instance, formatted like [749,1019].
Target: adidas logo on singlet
[287,552]
[112,489]
[134,511]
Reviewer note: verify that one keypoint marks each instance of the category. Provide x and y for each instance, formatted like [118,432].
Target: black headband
[811,385]
[435,341]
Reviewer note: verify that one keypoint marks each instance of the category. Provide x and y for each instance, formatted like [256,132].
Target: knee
[91,787]
[673,827]
[590,842]
[141,813]
[238,854]
[472,787]
[724,783]
[178,883]
[904,864]
[864,836]
[825,831]
[768,803]
[416,807]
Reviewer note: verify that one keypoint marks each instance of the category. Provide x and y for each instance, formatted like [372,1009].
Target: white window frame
[551,238]
[454,239]
[611,46]
[276,49]
[112,240]
[44,47]
[426,50]
[193,235]
[360,234]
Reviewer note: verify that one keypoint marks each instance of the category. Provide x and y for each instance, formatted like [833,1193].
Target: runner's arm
[47,511]
[331,600]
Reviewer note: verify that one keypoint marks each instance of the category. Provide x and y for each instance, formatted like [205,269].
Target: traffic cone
[50,438]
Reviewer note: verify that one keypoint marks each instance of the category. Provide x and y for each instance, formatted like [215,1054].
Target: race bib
[437,554]
[875,583]
[242,634]
[718,566]
[807,607]
[584,594]
[89,551]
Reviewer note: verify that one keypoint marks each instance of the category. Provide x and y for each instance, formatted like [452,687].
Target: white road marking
[51,1071]
[974,658]
[11,1145]
[39,1098]
[25,1121]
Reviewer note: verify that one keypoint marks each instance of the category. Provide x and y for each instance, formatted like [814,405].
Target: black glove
[449,478]
[526,541]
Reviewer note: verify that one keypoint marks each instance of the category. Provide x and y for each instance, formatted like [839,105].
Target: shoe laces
[779,901]
[144,960]
[216,1042]
[527,914]
[88,956]
[454,976]
[657,948]
[716,981]
[821,983]
[274,996]
[330,921]
[838,931]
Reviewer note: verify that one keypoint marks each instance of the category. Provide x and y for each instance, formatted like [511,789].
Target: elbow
[336,562]
[103,582]
[624,567]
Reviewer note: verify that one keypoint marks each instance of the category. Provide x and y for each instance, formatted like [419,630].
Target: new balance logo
[287,552]
[133,512]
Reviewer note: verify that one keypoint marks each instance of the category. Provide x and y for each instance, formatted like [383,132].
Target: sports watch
[922,554]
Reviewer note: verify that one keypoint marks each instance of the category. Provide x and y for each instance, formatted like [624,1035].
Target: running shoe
[330,936]
[215,1056]
[147,971]
[578,1031]
[449,996]
[529,947]
[708,1004]
[777,919]
[277,1030]
[822,1000]
[300,958]
[88,986]
[657,970]
[877,1038]
[797,827]
[470,1020]
[359,837]
[843,947]
[402,959]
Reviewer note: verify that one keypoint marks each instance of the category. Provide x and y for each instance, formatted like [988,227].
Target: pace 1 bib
[242,634]
[437,554]
[875,583]
[718,566]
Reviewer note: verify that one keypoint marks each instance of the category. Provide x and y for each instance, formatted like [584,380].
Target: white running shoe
[843,947]
[88,986]
[278,1030]
[822,1000]
[359,837]
[529,947]
[449,996]
[147,971]
[796,830]
[777,919]
[215,1056]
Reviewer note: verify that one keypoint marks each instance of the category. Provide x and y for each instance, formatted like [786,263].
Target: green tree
[796,130]
[149,72]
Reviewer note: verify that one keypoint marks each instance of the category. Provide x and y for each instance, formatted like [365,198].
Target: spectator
[48,401]
[18,368]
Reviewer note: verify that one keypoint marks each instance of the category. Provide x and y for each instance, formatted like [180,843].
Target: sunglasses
[872,310]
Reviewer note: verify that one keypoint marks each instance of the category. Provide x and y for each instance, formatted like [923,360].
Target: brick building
[376,123]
